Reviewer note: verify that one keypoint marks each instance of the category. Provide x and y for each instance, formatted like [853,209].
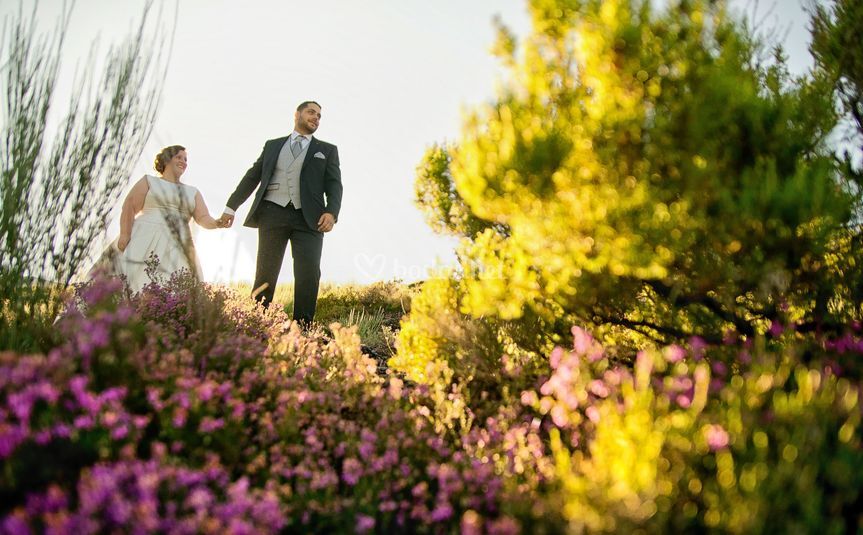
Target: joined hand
[225,221]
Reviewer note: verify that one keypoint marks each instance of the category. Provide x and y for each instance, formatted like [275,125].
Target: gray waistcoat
[284,187]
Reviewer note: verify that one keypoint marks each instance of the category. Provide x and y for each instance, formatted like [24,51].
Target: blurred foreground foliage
[187,408]
[653,174]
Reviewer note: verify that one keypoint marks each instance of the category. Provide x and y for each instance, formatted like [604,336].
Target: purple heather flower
[21,405]
[15,525]
[776,329]
[42,437]
[719,367]
[698,345]
[442,512]
[120,432]
[352,470]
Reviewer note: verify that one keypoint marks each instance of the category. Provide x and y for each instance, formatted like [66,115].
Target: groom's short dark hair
[304,105]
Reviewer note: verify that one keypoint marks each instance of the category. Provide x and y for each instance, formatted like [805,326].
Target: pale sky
[392,76]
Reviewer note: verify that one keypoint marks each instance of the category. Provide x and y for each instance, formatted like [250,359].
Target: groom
[298,200]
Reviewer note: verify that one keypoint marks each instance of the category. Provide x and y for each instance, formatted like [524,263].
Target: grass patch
[376,309]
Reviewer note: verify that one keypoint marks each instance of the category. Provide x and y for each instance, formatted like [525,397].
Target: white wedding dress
[161,229]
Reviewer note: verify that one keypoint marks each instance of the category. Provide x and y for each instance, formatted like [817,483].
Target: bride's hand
[122,243]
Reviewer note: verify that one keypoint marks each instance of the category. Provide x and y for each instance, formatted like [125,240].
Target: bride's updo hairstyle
[165,156]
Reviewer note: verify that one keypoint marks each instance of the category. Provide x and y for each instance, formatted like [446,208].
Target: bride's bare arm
[133,204]
[202,214]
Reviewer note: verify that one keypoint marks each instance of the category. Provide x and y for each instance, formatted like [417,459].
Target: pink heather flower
[559,416]
[62,430]
[471,523]
[183,400]
[644,362]
[367,435]
[21,405]
[684,400]
[47,391]
[555,357]
[674,353]
[120,432]
[504,526]
[419,490]
[42,437]
[682,384]
[205,391]
[592,414]
[365,523]
[352,470]
[581,340]
[83,422]
[395,389]
[109,418]
[210,424]
[717,437]
[158,450]
[612,377]
[154,398]
[179,418]
[598,388]
[116,393]
[140,421]
[200,498]
[719,368]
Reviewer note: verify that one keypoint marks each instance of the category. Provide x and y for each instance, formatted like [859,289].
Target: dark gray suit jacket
[320,181]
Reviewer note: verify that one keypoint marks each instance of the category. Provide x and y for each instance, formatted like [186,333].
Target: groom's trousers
[279,225]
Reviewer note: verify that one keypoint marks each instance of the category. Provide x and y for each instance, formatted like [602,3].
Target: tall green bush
[58,185]
[645,173]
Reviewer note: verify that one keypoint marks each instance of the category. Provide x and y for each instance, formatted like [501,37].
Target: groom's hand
[225,221]
[326,222]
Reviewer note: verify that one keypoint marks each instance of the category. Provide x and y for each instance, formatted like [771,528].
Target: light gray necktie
[296,146]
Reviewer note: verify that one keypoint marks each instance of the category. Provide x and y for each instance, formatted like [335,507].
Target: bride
[161,231]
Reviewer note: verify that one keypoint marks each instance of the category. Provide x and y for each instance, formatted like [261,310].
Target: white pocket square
[320,155]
